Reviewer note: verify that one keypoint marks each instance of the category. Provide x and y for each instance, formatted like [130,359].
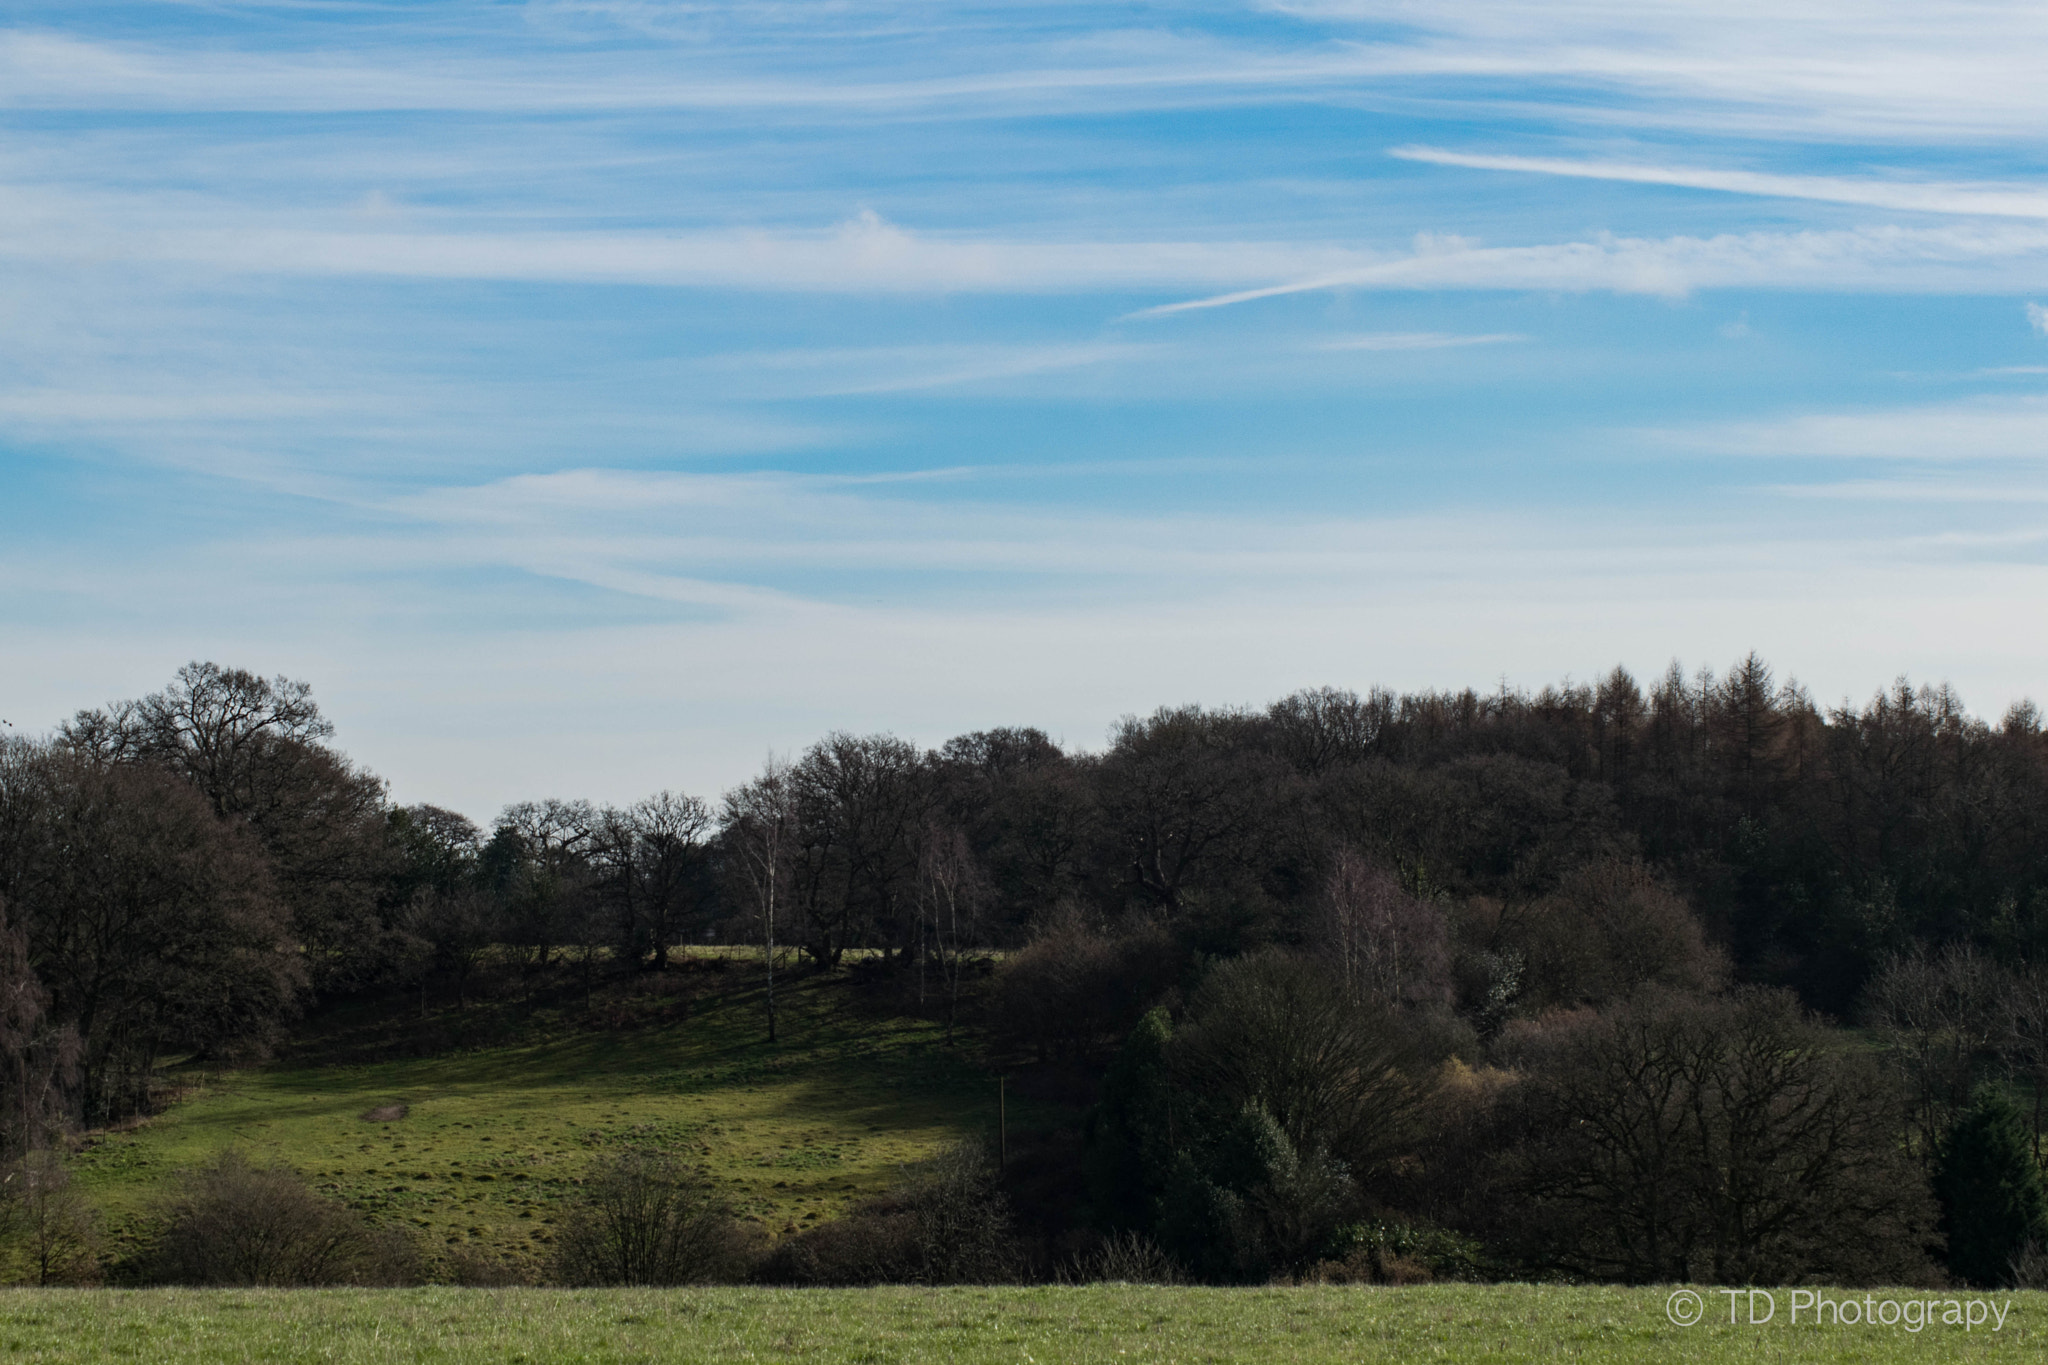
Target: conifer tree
[1992,1201]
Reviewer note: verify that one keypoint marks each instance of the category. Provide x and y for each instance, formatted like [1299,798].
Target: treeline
[1373,970]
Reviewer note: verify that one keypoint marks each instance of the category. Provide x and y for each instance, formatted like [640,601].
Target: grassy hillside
[509,1102]
[1120,1323]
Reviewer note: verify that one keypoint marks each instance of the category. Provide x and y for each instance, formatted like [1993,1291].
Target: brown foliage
[1075,990]
[1609,929]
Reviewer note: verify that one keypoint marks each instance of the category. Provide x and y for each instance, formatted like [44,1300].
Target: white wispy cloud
[1985,429]
[1416,341]
[1950,258]
[1928,491]
[1852,70]
[1082,67]
[1843,68]
[2037,318]
[864,253]
[851,371]
[868,254]
[1944,197]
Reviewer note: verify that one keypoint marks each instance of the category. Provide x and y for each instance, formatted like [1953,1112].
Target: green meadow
[510,1102]
[475,1141]
[1038,1326]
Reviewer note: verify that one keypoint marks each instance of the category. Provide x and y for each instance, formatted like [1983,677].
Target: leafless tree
[761,829]
[1941,1019]
[1721,1139]
[861,803]
[232,1223]
[547,888]
[254,748]
[2023,1017]
[952,891]
[651,858]
[1327,727]
[151,923]
[1190,802]
[1279,1032]
[1383,944]
[38,1058]
[643,1218]
[54,1229]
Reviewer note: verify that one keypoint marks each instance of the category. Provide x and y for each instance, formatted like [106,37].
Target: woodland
[1696,979]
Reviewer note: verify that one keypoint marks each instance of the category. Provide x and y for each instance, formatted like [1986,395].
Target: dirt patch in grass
[386,1113]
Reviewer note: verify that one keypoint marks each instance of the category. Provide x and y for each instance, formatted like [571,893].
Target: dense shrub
[475,1268]
[1123,1258]
[947,1223]
[644,1218]
[1383,1252]
[1238,1140]
[237,1224]
[1278,1032]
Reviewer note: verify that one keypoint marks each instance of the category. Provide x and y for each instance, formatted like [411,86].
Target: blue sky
[594,396]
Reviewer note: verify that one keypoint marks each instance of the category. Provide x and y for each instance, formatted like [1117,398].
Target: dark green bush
[1993,1208]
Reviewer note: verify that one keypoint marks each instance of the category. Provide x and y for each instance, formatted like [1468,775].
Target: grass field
[1107,1323]
[494,1132]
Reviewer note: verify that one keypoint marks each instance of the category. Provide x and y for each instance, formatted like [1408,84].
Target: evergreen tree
[1992,1201]
[1131,1133]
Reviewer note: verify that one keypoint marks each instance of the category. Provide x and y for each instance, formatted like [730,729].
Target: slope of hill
[468,1127]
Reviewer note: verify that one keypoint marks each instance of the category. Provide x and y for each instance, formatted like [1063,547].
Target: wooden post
[1002,1124]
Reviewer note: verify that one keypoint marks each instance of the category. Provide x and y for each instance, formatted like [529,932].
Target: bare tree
[38,1059]
[254,748]
[458,926]
[761,828]
[1722,1139]
[152,925]
[952,891]
[642,1217]
[236,1224]
[1940,1017]
[540,854]
[1191,804]
[2023,1017]
[651,859]
[1327,727]
[861,802]
[1279,1032]
[55,1231]
[1383,944]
